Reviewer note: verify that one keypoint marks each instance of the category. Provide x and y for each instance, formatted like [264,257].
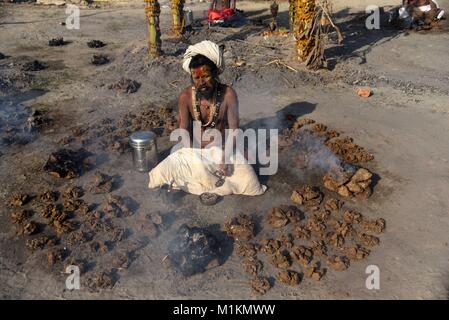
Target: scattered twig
[279,62]
[173,83]
[273,61]
[339,34]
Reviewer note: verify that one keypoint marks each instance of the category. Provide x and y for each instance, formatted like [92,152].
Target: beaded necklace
[213,114]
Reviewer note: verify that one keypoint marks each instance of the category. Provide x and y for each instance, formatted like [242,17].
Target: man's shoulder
[229,91]
[186,93]
[230,96]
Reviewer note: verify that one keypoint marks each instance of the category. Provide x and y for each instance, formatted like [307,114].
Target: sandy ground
[404,124]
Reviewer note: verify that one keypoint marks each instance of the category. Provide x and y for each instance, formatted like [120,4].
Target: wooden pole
[274,8]
[177,11]
[152,12]
[291,14]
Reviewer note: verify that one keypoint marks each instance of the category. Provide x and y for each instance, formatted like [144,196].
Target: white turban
[208,49]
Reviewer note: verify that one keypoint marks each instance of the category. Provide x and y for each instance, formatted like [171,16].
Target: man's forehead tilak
[201,71]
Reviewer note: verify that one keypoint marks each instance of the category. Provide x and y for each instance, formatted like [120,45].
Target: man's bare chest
[206,110]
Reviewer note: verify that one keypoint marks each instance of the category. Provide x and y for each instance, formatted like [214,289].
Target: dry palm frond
[312,23]
[305,12]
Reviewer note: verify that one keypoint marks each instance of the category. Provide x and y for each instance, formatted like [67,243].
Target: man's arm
[233,109]
[184,118]
[233,122]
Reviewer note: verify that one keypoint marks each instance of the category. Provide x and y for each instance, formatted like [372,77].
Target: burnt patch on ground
[57,42]
[96,44]
[125,85]
[99,59]
[194,250]
[34,65]
[68,164]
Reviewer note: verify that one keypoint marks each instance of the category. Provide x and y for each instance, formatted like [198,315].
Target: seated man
[197,164]
[213,104]
[420,12]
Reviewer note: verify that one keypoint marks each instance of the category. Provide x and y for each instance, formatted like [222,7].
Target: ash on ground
[194,250]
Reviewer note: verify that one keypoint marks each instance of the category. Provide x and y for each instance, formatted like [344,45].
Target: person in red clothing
[221,10]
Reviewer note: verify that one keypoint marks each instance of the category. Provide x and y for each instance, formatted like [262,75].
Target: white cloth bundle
[208,49]
[425,8]
[191,170]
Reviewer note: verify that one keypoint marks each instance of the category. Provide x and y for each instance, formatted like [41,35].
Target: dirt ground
[404,124]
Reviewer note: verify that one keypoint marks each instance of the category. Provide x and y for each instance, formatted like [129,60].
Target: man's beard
[207,92]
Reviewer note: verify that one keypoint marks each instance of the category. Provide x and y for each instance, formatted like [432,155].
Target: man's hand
[226,169]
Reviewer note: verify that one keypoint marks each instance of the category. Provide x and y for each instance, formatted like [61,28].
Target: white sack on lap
[191,170]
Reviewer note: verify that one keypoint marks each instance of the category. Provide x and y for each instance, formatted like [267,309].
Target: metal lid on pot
[141,139]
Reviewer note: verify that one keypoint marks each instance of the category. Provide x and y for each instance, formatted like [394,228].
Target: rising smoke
[309,159]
